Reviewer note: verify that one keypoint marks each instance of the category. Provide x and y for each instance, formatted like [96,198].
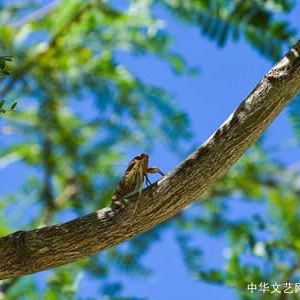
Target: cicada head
[144,161]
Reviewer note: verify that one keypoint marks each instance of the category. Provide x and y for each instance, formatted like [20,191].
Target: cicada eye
[144,156]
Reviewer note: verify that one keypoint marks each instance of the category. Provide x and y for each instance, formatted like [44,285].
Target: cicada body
[134,177]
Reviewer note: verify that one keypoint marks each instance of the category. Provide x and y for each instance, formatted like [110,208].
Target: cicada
[134,177]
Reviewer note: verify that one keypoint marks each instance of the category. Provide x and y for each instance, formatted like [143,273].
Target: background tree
[83,112]
[4,72]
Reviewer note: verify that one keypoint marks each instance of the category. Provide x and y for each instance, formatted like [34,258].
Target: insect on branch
[134,177]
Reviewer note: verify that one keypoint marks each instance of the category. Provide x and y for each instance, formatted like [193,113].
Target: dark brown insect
[135,174]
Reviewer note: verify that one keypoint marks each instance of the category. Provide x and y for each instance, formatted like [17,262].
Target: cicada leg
[154,170]
[148,182]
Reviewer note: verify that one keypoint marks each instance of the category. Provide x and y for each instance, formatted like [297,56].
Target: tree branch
[25,252]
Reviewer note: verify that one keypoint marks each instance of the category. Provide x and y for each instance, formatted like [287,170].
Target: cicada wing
[128,182]
[139,186]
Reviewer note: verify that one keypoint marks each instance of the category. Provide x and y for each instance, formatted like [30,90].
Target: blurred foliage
[83,114]
[4,72]
[3,65]
[262,244]
[255,20]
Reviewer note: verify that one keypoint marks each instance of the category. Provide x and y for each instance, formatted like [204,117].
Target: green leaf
[2,103]
[13,106]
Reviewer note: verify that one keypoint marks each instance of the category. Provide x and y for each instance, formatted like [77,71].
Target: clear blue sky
[227,76]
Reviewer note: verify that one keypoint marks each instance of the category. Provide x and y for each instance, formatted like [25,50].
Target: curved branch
[25,252]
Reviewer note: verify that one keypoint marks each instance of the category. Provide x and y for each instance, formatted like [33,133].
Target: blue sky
[227,75]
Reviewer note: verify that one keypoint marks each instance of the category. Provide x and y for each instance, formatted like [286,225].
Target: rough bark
[25,252]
